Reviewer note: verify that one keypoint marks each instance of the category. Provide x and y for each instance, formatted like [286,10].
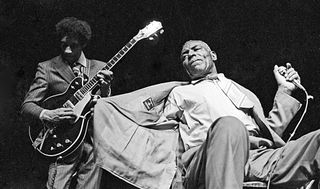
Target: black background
[250,37]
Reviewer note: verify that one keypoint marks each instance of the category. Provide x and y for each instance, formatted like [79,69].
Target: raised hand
[285,76]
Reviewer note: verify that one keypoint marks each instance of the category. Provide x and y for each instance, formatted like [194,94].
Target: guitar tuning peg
[151,38]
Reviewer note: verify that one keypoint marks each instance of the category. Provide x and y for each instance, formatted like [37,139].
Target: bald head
[198,59]
[189,43]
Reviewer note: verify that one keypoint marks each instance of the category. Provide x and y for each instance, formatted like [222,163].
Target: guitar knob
[59,145]
[67,141]
[77,83]
[54,136]
[72,87]
[52,148]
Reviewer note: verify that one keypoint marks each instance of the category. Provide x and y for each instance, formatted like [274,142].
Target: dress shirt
[198,105]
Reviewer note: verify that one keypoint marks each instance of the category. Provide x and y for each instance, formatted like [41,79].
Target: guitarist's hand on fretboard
[105,76]
[57,115]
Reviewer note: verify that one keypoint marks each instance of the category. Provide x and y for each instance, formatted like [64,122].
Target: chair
[262,185]
[254,185]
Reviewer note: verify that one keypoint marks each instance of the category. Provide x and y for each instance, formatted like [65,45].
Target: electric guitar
[58,140]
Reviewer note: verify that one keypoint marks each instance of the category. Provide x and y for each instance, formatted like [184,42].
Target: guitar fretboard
[90,85]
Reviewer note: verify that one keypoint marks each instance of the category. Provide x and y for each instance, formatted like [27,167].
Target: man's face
[70,49]
[197,59]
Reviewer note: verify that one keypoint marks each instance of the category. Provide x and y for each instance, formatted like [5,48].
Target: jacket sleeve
[284,109]
[35,95]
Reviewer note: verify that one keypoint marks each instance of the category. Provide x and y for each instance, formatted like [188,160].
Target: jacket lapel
[63,69]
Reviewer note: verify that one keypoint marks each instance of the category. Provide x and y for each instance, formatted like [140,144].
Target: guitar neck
[90,85]
[115,59]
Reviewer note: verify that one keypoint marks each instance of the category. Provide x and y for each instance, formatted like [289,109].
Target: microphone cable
[307,98]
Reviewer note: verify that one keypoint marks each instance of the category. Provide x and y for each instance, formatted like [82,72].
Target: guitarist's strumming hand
[57,115]
[105,76]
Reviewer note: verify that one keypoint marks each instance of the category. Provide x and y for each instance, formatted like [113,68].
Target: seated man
[227,138]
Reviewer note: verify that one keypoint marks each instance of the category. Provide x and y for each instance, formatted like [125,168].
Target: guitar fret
[109,65]
[84,91]
[132,42]
[115,59]
[78,96]
[94,79]
[88,87]
[121,52]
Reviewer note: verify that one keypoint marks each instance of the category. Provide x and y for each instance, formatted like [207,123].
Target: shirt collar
[82,60]
[219,77]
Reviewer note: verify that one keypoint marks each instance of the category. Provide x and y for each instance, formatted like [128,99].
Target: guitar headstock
[151,29]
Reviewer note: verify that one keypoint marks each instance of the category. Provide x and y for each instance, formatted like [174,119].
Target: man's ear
[214,55]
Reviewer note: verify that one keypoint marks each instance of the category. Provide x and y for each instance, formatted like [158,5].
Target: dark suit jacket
[52,77]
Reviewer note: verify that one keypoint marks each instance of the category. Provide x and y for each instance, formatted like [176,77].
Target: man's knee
[228,125]
[228,132]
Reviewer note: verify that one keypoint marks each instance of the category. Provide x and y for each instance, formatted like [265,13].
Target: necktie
[76,69]
[238,98]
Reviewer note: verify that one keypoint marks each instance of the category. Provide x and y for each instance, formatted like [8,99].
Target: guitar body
[58,140]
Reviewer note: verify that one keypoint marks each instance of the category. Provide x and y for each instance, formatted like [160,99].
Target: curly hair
[71,26]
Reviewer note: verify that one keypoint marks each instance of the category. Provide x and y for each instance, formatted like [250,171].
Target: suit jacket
[284,109]
[136,143]
[52,77]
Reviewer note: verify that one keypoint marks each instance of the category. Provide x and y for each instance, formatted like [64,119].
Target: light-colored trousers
[225,161]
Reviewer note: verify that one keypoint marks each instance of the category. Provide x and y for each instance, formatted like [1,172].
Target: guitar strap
[40,138]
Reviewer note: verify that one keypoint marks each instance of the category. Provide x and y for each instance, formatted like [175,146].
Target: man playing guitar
[53,77]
